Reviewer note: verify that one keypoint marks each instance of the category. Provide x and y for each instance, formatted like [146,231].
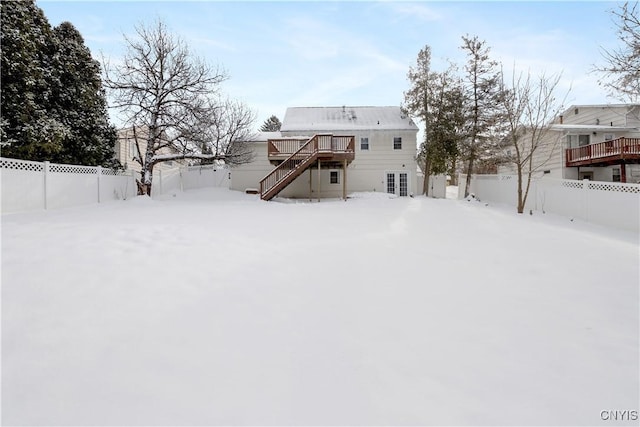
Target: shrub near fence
[612,204]
[28,186]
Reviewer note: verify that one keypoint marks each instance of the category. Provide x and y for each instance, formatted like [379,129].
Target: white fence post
[99,174]
[585,199]
[45,176]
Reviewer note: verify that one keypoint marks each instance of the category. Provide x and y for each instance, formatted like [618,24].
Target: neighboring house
[596,142]
[126,151]
[338,150]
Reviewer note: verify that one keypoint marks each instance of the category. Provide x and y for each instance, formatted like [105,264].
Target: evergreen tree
[53,105]
[79,102]
[272,124]
[436,99]
[483,105]
[27,129]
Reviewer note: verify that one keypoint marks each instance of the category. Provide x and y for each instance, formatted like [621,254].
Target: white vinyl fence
[28,186]
[612,204]
[189,178]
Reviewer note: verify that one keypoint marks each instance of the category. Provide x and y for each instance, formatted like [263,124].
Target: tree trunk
[453,171]
[427,172]
[467,185]
[146,177]
[520,199]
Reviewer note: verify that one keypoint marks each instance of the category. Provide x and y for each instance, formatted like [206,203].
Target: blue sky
[284,54]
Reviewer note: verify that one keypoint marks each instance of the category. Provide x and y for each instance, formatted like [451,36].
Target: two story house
[595,142]
[126,151]
[328,152]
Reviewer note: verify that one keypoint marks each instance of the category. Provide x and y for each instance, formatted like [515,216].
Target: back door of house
[397,183]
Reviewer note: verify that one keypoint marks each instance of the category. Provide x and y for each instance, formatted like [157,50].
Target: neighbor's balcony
[620,150]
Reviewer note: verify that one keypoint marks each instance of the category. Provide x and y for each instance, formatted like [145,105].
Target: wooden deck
[328,146]
[295,155]
[617,151]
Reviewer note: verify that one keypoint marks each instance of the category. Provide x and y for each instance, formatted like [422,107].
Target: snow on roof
[595,128]
[345,118]
[574,106]
[264,136]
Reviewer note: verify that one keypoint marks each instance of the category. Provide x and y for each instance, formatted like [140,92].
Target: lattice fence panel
[571,184]
[610,186]
[24,165]
[113,172]
[86,170]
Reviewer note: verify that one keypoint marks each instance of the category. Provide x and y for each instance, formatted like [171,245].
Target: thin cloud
[212,43]
[415,10]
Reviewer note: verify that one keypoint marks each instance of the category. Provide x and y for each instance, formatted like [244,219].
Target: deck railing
[326,142]
[285,146]
[305,154]
[616,148]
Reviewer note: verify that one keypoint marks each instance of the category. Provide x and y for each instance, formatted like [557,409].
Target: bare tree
[163,89]
[529,107]
[482,94]
[622,69]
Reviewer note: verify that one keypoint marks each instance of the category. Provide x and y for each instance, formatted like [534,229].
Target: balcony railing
[325,143]
[608,152]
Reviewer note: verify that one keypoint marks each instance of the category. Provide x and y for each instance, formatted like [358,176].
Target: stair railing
[287,167]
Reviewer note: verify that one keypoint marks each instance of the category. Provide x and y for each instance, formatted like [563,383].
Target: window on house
[578,140]
[583,140]
[132,148]
[616,175]
[609,136]
[364,143]
[397,143]
[333,177]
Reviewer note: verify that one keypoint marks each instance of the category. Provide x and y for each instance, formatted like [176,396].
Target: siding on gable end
[597,115]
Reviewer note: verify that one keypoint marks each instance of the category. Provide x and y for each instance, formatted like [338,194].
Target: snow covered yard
[213,307]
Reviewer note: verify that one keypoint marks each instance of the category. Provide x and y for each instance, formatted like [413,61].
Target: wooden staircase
[320,146]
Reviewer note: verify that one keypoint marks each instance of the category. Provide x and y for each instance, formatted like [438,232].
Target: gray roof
[345,118]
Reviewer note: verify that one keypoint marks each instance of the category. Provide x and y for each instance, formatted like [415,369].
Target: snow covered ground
[213,307]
